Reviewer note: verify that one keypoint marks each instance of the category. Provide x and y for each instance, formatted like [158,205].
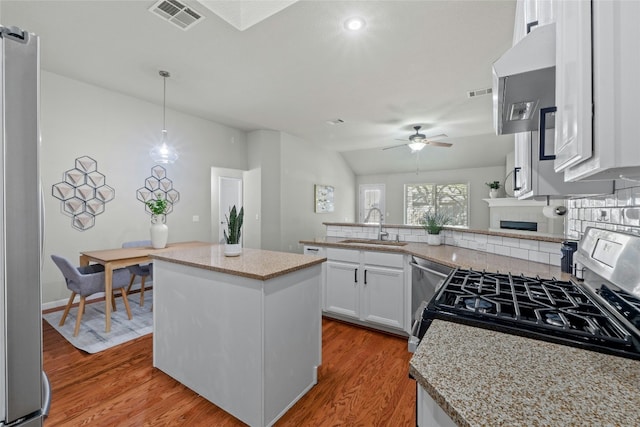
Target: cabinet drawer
[343,255]
[384,259]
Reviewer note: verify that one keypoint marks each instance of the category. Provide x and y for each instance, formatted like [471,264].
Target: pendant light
[164,153]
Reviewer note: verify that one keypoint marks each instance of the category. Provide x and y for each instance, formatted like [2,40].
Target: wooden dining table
[113,259]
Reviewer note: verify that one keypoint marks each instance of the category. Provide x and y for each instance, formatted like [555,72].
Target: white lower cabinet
[429,413]
[368,287]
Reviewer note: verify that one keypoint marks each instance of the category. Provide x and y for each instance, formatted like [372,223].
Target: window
[449,199]
[371,196]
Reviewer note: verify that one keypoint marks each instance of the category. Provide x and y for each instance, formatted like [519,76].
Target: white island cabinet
[244,332]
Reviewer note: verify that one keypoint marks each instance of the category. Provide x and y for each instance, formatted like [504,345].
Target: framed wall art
[323,198]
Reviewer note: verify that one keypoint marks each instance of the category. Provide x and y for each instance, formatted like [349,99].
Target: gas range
[601,313]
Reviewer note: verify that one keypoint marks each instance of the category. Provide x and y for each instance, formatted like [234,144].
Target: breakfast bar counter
[244,332]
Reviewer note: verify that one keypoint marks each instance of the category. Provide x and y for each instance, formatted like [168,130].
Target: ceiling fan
[418,141]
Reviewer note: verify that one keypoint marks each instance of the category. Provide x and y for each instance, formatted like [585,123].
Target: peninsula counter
[244,332]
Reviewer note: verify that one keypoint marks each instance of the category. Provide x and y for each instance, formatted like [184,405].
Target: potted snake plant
[233,232]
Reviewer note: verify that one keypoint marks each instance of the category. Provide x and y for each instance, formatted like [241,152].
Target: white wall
[303,165]
[289,168]
[118,131]
[476,177]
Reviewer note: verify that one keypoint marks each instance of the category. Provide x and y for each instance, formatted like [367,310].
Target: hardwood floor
[363,381]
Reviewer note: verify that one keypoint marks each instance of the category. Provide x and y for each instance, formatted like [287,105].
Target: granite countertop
[453,256]
[487,378]
[515,234]
[252,263]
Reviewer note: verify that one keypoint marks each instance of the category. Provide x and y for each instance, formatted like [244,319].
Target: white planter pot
[232,249]
[159,231]
[434,239]
[493,193]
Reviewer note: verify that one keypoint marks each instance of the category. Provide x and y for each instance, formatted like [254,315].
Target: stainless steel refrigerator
[24,391]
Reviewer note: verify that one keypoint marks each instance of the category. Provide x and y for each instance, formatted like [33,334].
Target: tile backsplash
[619,211]
[546,252]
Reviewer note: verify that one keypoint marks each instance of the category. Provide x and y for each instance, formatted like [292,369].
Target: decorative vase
[234,249]
[159,231]
[493,193]
[434,239]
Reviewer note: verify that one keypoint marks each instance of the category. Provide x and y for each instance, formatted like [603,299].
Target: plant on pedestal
[234,231]
[159,229]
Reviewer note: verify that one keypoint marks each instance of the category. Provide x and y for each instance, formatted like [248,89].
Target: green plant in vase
[159,230]
[435,222]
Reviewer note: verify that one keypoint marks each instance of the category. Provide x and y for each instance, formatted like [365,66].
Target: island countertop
[252,263]
[487,378]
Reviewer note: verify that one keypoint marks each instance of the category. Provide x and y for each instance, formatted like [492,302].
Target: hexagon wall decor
[83,193]
[158,183]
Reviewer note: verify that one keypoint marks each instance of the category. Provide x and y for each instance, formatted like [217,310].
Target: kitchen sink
[373,242]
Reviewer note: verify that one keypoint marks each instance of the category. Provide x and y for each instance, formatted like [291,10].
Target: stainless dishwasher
[426,278]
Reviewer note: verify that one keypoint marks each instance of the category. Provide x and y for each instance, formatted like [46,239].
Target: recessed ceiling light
[354,24]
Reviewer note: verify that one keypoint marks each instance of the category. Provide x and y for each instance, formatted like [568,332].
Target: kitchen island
[244,332]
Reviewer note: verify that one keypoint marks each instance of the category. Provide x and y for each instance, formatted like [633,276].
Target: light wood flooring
[363,381]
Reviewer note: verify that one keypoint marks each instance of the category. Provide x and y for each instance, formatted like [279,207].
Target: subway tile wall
[531,250]
[619,211]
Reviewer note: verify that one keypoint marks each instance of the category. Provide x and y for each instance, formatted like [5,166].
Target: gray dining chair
[142,270]
[89,280]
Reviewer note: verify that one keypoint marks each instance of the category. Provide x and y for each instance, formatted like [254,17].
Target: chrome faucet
[381,234]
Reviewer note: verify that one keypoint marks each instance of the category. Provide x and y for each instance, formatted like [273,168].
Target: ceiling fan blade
[439,144]
[398,139]
[442,135]
[394,146]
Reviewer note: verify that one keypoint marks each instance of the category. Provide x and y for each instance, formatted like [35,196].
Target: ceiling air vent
[479,92]
[177,13]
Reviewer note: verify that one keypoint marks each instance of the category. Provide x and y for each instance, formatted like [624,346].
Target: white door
[371,196]
[383,296]
[342,294]
[230,193]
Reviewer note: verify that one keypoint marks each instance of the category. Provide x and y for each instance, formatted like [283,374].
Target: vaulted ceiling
[299,69]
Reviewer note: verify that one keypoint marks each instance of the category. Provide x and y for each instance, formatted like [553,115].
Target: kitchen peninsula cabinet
[243,332]
[367,287]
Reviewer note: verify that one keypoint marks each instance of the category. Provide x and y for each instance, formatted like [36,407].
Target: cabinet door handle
[355,277]
[365,276]
[515,178]
[530,25]
[542,124]
[313,249]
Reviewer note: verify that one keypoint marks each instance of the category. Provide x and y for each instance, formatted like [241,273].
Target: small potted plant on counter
[233,232]
[494,186]
[159,228]
[434,223]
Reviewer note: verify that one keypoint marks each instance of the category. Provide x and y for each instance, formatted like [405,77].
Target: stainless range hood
[524,80]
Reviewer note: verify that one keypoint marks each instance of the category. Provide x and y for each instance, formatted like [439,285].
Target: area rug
[92,338]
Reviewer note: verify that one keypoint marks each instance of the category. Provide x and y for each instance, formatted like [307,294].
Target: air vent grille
[479,92]
[177,13]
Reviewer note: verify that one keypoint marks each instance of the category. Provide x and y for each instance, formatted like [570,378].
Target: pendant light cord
[164,75]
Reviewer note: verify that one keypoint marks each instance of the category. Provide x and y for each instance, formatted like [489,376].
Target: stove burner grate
[558,307]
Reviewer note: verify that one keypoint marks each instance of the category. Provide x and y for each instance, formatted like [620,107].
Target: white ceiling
[412,64]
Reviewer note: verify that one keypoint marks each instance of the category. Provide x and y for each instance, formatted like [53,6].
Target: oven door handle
[428,270]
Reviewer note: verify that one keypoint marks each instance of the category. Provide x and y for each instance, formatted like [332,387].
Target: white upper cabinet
[532,13]
[597,89]
[534,174]
[573,84]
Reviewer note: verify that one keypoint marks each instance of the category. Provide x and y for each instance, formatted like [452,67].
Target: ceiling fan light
[417,145]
